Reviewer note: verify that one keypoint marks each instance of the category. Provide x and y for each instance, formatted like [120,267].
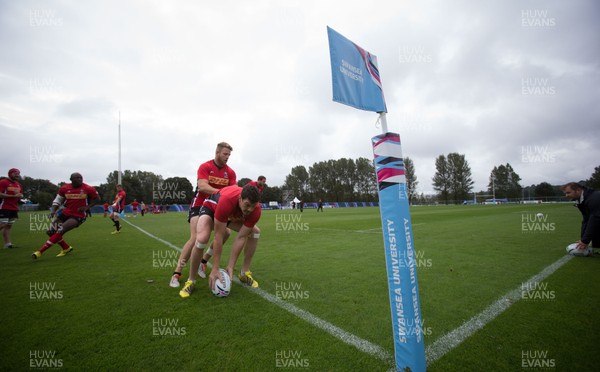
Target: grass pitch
[108,306]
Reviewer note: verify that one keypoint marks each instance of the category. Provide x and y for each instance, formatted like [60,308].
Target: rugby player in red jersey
[212,176]
[235,208]
[77,198]
[117,207]
[105,205]
[134,207]
[260,183]
[10,193]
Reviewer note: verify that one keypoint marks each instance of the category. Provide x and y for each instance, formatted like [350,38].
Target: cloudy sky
[499,81]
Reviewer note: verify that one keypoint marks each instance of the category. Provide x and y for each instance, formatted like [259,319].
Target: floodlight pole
[119,171]
[494,188]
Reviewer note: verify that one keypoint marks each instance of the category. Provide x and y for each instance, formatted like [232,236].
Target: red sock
[53,240]
[63,244]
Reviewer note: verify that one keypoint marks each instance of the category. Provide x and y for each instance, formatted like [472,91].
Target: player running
[117,207]
[239,209]
[77,198]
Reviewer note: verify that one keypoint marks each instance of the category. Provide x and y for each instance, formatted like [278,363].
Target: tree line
[341,180]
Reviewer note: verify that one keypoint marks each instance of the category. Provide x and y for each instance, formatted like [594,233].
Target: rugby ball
[222,289]
[573,251]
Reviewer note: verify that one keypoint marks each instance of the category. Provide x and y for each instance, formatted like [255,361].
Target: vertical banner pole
[400,256]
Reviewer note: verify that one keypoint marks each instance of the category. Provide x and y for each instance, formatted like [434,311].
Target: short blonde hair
[224,145]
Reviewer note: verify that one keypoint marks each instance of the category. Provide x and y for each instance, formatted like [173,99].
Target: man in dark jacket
[588,203]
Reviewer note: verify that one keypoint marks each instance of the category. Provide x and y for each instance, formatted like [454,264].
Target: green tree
[366,180]
[441,178]
[32,186]
[461,181]
[505,182]
[544,190]
[297,181]
[594,180]
[411,179]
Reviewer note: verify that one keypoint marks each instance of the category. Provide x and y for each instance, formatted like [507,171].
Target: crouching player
[77,198]
[239,209]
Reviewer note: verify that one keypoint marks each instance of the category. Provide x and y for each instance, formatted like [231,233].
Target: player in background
[235,208]
[143,208]
[588,202]
[260,183]
[11,192]
[117,207]
[105,205]
[134,206]
[212,176]
[77,198]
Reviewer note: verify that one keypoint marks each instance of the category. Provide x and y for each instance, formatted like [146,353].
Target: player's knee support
[209,252]
[200,245]
[256,236]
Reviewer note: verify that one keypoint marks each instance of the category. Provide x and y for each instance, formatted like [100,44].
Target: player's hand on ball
[214,275]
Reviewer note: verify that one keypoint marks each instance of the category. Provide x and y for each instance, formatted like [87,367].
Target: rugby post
[356,82]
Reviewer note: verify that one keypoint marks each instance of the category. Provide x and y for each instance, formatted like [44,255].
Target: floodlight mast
[119,171]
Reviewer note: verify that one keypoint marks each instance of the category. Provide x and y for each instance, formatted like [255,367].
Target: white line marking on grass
[154,237]
[346,337]
[449,341]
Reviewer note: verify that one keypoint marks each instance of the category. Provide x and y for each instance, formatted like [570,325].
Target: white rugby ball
[222,289]
[573,251]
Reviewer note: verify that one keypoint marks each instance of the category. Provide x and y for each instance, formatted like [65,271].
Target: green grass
[114,299]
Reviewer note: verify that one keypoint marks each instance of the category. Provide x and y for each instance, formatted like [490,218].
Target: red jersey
[227,207]
[76,197]
[255,184]
[134,205]
[121,194]
[217,178]
[10,187]
[105,205]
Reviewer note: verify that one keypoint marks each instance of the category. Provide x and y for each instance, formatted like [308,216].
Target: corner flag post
[356,82]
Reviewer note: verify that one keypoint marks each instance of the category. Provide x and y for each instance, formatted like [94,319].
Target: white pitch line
[449,341]
[346,337]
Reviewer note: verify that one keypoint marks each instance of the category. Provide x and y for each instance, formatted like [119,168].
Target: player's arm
[205,187]
[238,244]
[217,247]
[91,203]
[56,203]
